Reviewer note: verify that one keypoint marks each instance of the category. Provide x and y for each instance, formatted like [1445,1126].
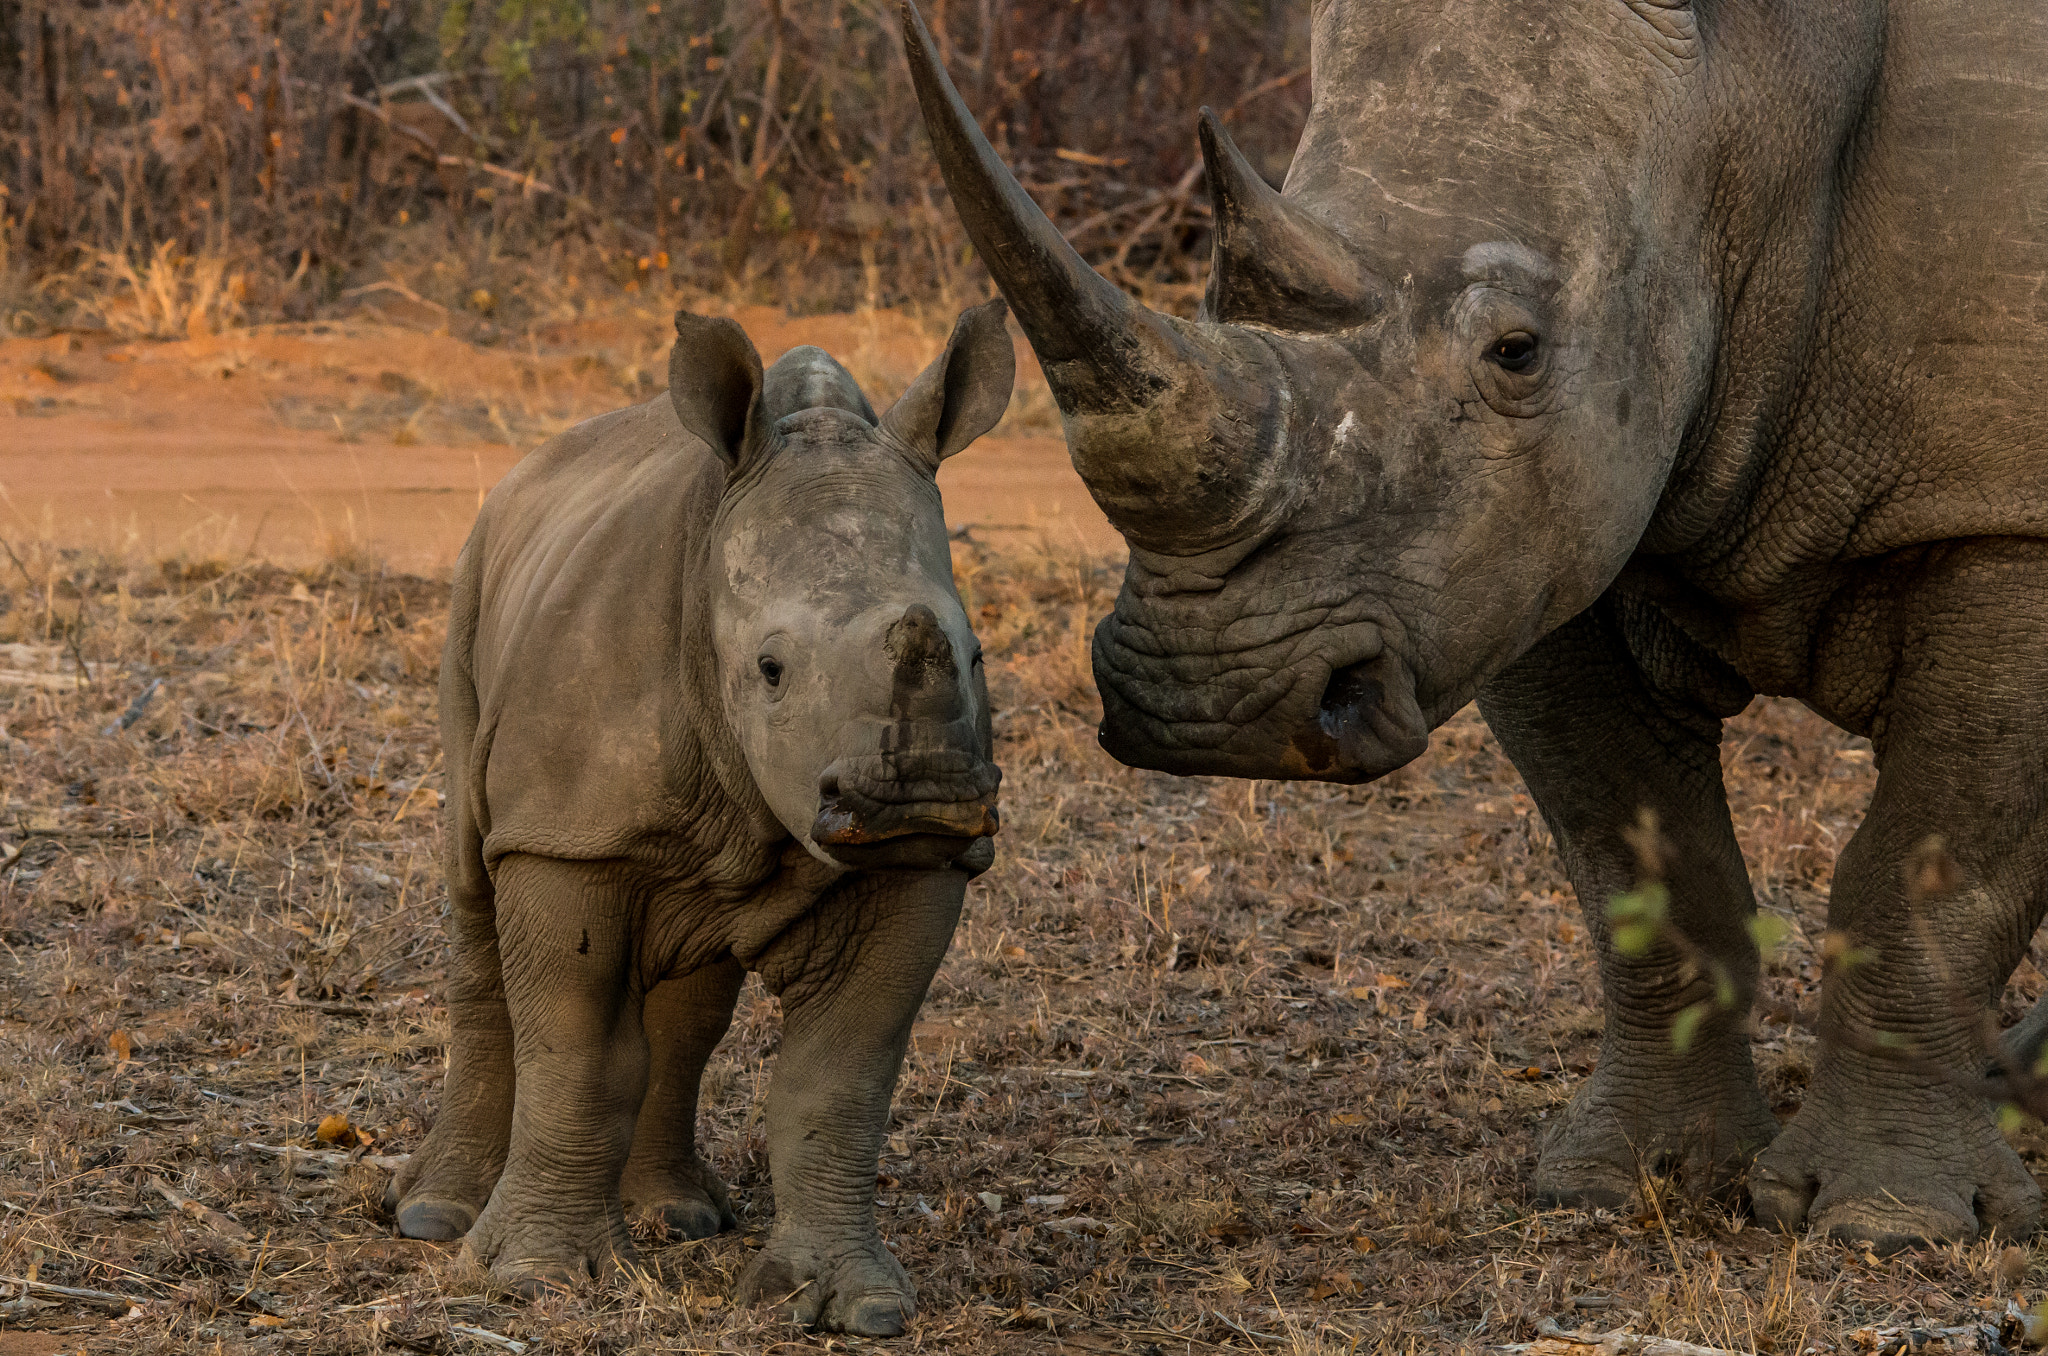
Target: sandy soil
[1211,1066]
[372,441]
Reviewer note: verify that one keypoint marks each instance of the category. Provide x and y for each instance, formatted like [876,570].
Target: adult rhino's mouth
[1331,704]
[906,808]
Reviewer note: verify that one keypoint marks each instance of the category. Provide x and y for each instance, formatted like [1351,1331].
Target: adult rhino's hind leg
[851,977]
[1597,741]
[1883,1152]
[684,1018]
[438,1192]
[566,932]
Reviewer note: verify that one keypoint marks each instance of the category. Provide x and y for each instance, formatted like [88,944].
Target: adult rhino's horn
[1275,262]
[1173,425]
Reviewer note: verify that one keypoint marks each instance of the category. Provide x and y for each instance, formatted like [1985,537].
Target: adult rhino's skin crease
[710,704]
[1613,362]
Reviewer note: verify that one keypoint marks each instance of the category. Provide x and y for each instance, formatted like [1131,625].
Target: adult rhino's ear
[714,381]
[963,394]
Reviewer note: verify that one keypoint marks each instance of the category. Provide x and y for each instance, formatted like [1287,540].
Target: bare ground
[376,439]
[1212,1065]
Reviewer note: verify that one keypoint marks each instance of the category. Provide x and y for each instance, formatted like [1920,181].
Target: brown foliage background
[280,156]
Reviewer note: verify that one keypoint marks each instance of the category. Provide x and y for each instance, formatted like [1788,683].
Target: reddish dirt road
[380,442]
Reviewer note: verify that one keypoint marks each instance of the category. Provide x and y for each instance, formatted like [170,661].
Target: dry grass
[1249,1066]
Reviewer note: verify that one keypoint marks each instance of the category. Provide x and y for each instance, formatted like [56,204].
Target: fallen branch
[324,1158]
[70,1292]
[489,1338]
[135,708]
[1553,1340]
[213,1219]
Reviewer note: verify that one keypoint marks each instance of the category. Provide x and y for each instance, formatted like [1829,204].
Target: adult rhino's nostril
[1369,711]
[1349,695]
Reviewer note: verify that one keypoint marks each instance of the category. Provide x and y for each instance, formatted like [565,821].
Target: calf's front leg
[851,976]
[684,1018]
[565,939]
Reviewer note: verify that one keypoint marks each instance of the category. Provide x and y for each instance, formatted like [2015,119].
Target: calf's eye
[771,670]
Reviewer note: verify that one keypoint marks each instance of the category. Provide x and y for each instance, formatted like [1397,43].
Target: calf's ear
[963,394]
[714,381]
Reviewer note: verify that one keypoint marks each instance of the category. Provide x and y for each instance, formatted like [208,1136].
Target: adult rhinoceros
[1614,361]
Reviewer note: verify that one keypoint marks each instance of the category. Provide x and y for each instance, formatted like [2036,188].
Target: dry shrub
[166,295]
[322,150]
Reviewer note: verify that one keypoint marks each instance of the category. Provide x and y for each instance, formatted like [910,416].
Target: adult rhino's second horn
[1275,262]
[1177,427]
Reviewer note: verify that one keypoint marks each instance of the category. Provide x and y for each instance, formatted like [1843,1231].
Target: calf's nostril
[918,644]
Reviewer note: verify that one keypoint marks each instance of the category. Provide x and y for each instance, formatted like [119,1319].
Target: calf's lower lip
[840,825]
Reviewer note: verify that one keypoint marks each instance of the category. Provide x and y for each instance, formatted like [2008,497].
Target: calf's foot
[853,1285]
[1881,1157]
[437,1194]
[689,1198]
[534,1246]
[1700,1120]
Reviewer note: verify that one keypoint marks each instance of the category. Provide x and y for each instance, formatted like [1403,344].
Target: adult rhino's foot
[437,1194]
[689,1198]
[535,1242]
[850,1285]
[1698,1120]
[1880,1157]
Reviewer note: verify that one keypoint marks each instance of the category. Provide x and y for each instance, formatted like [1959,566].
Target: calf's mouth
[906,810]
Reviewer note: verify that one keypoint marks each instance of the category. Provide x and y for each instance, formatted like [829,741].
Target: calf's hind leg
[440,1190]
[684,1018]
[851,976]
[566,934]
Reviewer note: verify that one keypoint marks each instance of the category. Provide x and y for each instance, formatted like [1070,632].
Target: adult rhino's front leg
[1597,743]
[566,939]
[1884,1152]
[851,977]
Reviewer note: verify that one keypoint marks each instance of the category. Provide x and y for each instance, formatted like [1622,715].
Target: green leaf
[1645,904]
[1639,918]
[1635,939]
[1686,1025]
[1724,988]
[2011,1120]
[1769,932]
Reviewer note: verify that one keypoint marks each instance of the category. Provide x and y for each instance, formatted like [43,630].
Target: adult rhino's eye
[1514,352]
[771,670]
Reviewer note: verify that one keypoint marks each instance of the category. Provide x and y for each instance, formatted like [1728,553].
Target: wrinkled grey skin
[1614,361]
[710,705]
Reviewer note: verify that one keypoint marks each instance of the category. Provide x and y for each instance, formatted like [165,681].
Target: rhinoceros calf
[1613,362]
[710,704]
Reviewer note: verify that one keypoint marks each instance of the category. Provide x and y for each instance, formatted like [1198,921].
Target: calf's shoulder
[597,732]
